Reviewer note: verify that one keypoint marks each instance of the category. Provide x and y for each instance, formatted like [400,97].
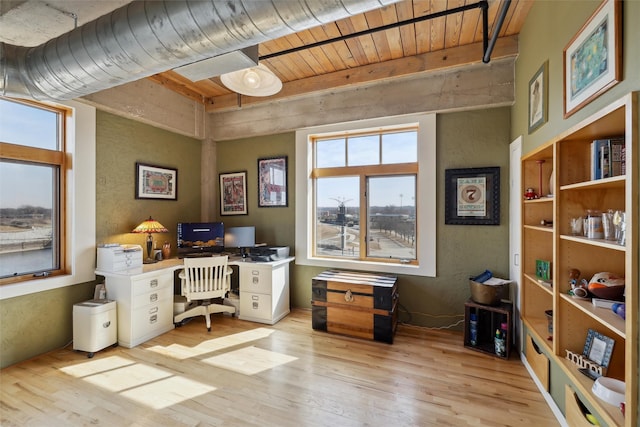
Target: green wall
[465,139]
[274,225]
[36,323]
[548,29]
[550,25]
[120,144]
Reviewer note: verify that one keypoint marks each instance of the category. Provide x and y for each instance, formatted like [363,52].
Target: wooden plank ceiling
[451,40]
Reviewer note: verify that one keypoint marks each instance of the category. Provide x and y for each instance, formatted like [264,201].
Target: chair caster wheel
[89,355]
[208,329]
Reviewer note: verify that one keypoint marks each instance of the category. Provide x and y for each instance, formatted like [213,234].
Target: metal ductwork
[148,37]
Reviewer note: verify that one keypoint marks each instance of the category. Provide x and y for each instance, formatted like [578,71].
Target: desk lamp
[150,226]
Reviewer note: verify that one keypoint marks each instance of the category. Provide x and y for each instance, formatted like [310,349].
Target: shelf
[568,155]
[611,415]
[609,244]
[545,228]
[543,199]
[540,283]
[605,183]
[604,316]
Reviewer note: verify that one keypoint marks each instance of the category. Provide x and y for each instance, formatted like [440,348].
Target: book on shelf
[616,158]
[607,158]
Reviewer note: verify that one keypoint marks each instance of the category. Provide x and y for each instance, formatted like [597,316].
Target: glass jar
[594,224]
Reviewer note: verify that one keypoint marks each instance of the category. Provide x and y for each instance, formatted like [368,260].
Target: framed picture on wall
[272,182]
[156,182]
[472,196]
[539,97]
[593,57]
[233,193]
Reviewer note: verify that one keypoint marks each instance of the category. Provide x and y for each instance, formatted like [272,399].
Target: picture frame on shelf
[539,98]
[598,348]
[156,182]
[472,196]
[233,193]
[543,270]
[272,182]
[593,58]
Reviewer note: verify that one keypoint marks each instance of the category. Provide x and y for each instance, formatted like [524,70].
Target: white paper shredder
[95,325]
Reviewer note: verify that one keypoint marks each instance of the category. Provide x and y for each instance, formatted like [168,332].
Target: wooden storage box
[575,412]
[538,362]
[355,304]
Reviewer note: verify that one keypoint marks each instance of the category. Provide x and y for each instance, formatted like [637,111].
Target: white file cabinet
[94,325]
[264,291]
[145,302]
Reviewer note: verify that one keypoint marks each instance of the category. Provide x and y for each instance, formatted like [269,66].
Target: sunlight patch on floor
[167,392]
[95,366]
[249,360]
[180,352]
[148,385]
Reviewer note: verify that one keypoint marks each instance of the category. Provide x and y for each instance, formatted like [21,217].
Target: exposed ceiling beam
[428,62]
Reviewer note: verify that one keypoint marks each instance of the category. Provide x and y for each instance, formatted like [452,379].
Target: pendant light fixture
[254,81]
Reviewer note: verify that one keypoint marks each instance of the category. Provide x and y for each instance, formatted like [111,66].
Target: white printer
[115,257]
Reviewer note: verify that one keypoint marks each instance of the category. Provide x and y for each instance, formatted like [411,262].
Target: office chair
[202,280]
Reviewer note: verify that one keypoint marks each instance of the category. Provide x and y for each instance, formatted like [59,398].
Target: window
[47,237]
[32,170]
[359,192]
[365,195]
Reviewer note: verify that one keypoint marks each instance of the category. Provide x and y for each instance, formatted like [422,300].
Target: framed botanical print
[233,193]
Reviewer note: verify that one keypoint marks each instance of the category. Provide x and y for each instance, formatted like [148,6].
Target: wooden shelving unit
[568,195]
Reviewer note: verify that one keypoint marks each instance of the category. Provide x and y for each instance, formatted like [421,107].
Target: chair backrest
[205,278]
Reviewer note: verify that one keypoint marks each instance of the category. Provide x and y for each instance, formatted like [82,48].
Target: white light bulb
[251,79]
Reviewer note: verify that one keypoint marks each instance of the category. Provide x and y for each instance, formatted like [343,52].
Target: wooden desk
[145,295]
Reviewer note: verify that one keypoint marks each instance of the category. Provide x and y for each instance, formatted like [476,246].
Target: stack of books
[607,158]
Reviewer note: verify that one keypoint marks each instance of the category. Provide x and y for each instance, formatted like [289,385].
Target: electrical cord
[410,314]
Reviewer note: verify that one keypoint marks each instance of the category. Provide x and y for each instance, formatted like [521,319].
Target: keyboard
[197,255]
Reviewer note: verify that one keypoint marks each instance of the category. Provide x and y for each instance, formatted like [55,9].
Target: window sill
[379,267]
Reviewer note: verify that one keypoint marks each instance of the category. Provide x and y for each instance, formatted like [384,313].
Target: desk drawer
[152,297]
[256,306]
[255,279]
[147,320]
[151,284]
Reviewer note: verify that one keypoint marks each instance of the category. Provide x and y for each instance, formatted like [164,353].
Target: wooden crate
[356,304]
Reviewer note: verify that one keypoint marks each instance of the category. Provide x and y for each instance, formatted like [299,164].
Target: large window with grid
[33,168]
[366,195]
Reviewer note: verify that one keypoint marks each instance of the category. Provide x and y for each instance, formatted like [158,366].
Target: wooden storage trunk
[356,304]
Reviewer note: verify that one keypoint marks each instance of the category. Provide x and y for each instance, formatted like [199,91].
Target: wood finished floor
[248,374]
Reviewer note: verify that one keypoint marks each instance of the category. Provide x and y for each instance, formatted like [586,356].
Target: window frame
[363,173]
[46,157]
[425,194]
[78,211]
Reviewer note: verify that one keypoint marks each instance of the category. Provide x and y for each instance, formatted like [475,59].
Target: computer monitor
[200,237]
[241,238]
